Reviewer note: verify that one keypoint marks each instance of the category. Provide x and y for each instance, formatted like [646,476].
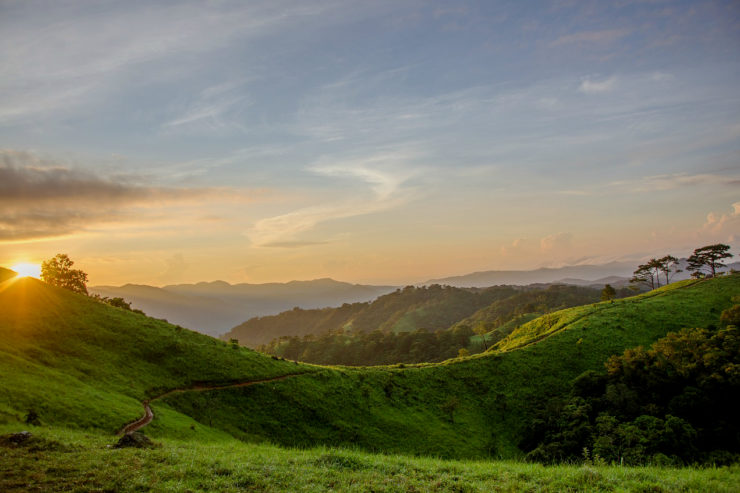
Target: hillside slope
[82,363]
[468,407]
[434,308]
[78,362]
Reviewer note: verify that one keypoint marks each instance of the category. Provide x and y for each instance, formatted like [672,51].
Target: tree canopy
[706,260]
[649,274]
[58,271]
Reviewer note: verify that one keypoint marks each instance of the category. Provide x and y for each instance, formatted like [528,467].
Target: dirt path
[198,387]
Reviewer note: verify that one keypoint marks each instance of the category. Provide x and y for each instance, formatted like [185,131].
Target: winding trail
[198,387]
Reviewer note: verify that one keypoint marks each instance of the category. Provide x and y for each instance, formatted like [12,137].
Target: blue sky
[367,141]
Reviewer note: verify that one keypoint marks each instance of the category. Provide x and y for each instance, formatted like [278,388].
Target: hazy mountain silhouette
[614,273]
[215,307]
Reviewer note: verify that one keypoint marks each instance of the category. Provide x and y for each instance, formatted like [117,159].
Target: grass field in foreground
[65,460]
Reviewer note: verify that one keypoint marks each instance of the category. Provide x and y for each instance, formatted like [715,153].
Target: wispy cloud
[385,175]
[51,64]
[661,183]
[590,86]
[216,108]
[587,37]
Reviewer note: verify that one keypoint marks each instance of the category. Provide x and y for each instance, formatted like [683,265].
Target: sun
[26,269]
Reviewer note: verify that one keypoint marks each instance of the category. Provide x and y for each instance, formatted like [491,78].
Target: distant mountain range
[614,273]
[215,307]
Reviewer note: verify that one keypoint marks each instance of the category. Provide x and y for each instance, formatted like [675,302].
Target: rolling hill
[80,363]
[432,307]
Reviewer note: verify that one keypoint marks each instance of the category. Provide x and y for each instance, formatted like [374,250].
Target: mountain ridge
[214,307]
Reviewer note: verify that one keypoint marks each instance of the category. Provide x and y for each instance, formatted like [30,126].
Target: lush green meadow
[84,367]
[469,407]
[79,362]
[64,460]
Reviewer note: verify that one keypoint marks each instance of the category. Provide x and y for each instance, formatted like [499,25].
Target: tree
[58,271]
[709,257]
[608,293]
[668,265]
[650,272]
[647,274]
[482,331]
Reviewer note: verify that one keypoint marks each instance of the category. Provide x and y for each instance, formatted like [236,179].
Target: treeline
[373,348]
[534,301]
[350,346]
[432,307]
[675,403]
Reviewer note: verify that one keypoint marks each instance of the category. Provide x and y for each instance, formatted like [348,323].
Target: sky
[377,142]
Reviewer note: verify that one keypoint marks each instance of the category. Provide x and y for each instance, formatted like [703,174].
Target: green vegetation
[405,409]
[674,403]
[706,261]
[374,348]
[357,345]
[101,361]
[649,274]
[433,307]
[58,271]
[59,460]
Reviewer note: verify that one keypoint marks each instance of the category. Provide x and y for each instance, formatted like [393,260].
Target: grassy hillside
[555,297]
[61,461]
[434,307]
[472,407]
[510,309]
[82,363]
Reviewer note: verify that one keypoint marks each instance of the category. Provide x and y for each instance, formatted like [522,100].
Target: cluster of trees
[535,302]
[649,274]
[432,307]
[58,271]
[704,262]
[675,403]
[373,348]
[354,346]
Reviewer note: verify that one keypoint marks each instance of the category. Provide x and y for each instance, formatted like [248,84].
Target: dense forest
[674,403]
[432,307]
[367,339]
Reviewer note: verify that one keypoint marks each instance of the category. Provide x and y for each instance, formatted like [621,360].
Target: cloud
[589,86]
[41,198]
[384,174]
[217,107]
[554,242]
[660,183]
[724,223]
[519,247]
[588,37]
[62,56]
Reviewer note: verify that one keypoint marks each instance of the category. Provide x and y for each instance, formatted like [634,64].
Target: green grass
[85,364]
[58,460]
[406,409]
[77,362]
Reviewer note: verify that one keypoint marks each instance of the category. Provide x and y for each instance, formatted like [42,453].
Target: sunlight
[27,270]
